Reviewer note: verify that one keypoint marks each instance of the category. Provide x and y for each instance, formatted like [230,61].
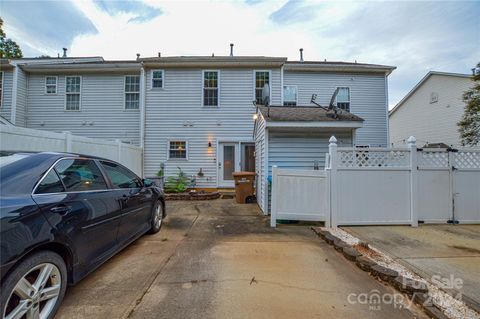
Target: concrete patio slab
[429,250]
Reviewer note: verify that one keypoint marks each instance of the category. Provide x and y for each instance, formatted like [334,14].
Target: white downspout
[142,115]
[388,118]
[13,111]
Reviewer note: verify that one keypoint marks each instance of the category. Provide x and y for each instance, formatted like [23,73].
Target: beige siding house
[431,110]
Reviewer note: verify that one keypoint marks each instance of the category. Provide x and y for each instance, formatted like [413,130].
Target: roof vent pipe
[64,53]
[159,54]
[301,54]
[138,55]
[231,49]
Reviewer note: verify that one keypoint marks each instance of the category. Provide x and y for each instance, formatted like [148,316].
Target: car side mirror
[148,182]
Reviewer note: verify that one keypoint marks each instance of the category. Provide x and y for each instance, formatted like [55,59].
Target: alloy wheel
[35,294]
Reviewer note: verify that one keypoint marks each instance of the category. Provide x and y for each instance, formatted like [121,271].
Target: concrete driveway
[217,259]
[429,250]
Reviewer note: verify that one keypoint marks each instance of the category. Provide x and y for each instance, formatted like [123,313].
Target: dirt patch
[366,251]
[466,249]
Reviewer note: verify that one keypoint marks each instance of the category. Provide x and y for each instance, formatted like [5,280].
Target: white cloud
[414,36]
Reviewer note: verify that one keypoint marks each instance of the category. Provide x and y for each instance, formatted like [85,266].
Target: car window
[80,175]
[120,176]
[50,184]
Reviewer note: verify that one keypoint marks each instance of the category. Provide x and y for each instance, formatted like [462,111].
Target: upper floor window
[289,95]
[132,92]
[51,85]
[1,88]
[343,99]
[157,78]
[72,93]
[261,78]
[210,88]
[177,150]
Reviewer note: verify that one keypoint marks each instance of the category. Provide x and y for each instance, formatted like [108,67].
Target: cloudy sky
[415,36]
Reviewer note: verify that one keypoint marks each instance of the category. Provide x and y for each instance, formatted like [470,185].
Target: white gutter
[13,111]
[386,112]
[142,114]
[320,124]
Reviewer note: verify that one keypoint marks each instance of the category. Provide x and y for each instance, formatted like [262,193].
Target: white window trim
[186,150]
[56,84]
[218,88]
[125,93]
[349,97]
[151,79]
[80,93]
[283,92]
[3,86]
[254,98]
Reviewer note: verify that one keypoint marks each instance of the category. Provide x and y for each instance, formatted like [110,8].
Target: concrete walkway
[217,259]
[442,250]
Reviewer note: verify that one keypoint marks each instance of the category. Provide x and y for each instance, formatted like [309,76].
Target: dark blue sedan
[62,216]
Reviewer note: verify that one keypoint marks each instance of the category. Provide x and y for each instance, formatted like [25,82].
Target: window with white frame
[177,150]
[132,92]
[51,85]
[1,88]
[261,78]
[210,88]
[289,95]
[343,99]
[157,78]
[72,93]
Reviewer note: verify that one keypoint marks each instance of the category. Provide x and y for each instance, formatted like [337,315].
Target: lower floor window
[177,149]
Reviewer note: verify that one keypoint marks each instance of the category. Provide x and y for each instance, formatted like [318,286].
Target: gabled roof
[214,61]
[305,114]
[419,84]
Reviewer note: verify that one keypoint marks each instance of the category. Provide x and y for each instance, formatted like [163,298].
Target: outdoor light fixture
[255,116]
[209,144]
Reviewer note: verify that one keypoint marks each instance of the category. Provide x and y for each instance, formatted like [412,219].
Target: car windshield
[8,158]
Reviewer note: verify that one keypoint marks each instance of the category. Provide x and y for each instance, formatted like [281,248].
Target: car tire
[24,290]
[156,220]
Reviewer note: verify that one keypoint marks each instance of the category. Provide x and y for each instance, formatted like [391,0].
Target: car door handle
[61,209]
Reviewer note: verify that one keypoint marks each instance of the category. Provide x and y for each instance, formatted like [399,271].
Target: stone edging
[416,289]
[192,196]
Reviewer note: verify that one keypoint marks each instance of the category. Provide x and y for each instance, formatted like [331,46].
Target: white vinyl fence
[13,138]
[298,184]
[382,186]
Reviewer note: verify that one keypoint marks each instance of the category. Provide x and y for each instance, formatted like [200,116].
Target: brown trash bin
[243,185]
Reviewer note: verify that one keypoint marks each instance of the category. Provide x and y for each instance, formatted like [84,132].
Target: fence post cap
[333,140]
[411,140]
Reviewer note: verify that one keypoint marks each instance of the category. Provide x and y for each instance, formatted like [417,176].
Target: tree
[469,125]
[8,47]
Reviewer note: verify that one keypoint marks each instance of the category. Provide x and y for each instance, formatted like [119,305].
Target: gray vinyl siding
[102,112]
[260,159]
[300,150]
[367,99]
[6,108]
[21,109]
[176,112]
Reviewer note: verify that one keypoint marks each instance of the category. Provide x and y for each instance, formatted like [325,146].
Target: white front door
[228,162]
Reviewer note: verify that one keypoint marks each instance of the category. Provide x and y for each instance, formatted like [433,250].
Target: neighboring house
[431,110]
[196,112]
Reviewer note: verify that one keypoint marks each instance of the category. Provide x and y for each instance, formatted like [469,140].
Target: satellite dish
[266,95]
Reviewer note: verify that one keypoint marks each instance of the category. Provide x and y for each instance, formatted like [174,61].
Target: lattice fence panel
[467,159]
[427,159]
[364,158]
